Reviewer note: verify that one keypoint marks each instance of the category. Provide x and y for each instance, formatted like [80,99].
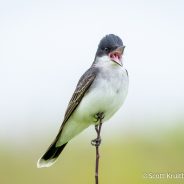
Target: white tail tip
[45,163]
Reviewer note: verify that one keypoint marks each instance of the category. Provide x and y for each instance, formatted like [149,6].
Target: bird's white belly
[106,94]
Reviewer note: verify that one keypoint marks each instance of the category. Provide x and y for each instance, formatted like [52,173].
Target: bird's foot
[99,116]
[96,142]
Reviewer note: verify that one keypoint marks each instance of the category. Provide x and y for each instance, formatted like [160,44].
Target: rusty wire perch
[96,142]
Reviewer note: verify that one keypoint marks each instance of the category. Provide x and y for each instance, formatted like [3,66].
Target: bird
[101,90]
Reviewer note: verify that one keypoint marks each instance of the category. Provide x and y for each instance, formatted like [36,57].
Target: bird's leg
[96,142]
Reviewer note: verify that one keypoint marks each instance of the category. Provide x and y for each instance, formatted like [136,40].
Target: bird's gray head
[111,47]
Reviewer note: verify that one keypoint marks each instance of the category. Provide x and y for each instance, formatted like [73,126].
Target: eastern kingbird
[101,89]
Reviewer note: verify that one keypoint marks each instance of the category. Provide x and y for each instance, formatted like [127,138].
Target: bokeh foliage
[124,160]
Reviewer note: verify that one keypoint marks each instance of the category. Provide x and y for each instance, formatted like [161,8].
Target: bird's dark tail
[49,158]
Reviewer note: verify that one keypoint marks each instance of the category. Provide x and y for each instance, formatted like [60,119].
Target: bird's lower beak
[116,55]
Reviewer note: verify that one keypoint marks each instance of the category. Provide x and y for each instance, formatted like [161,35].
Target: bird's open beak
[116,55]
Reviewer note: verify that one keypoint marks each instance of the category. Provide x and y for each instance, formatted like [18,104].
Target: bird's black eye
[106,49]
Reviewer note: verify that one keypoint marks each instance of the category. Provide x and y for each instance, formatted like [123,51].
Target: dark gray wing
[82,87]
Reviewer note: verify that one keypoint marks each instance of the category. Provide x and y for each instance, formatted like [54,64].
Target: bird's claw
[96,142]
[99,116]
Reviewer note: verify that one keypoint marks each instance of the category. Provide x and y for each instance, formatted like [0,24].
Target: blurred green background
[45,46]
[124,159]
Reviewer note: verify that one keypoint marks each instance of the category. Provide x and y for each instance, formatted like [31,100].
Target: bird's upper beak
[116,55]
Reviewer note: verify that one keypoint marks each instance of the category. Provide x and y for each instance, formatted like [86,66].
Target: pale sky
[45,46]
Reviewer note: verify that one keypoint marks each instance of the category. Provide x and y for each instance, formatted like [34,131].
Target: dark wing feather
[82,87]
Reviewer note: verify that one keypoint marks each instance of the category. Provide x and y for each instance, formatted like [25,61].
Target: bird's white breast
[106,94]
